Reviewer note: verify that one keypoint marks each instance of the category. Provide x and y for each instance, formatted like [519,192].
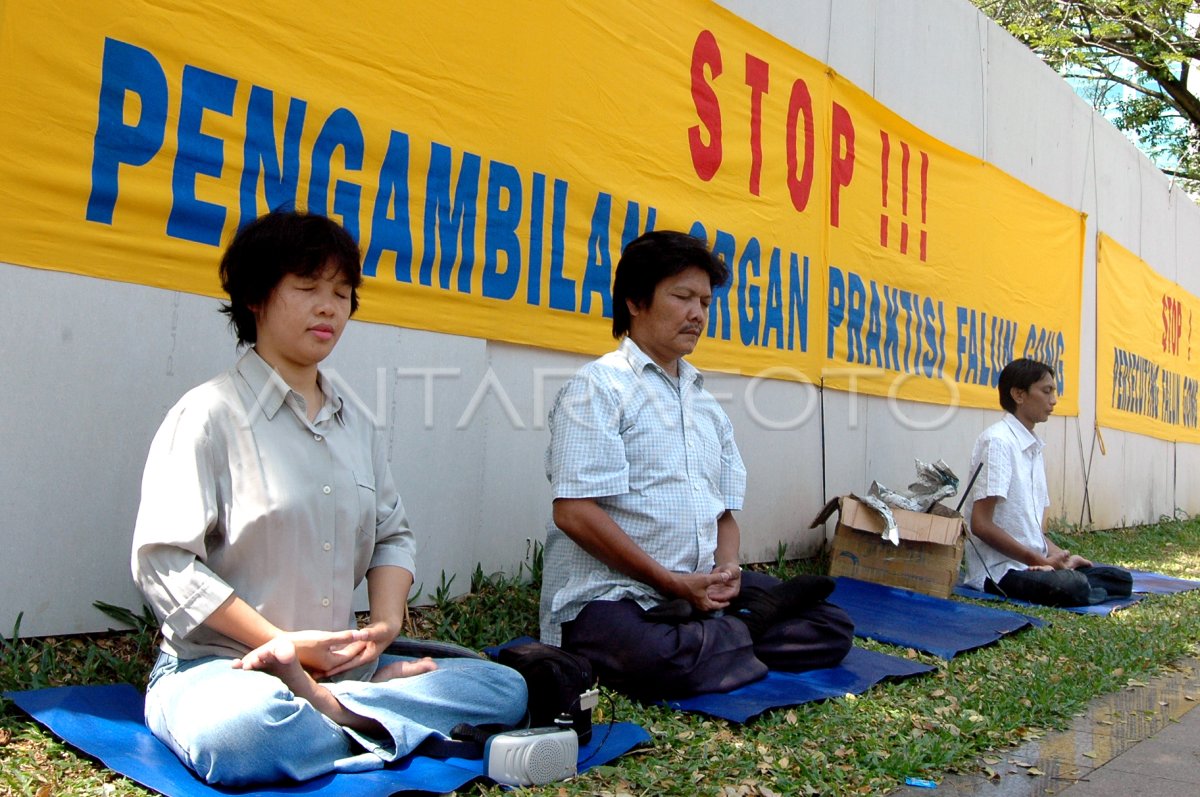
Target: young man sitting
[1010,554]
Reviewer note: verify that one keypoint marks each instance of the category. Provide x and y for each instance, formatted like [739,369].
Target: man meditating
[642,571]
[1009,553]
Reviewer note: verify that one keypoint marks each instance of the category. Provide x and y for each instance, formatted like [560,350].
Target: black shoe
[762,608]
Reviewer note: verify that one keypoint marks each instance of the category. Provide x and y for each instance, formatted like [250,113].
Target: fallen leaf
[1034,771]
[1090,754]
[991,760]
[5,736]
[991,773]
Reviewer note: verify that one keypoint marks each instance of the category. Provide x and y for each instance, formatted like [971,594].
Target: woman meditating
[267,499]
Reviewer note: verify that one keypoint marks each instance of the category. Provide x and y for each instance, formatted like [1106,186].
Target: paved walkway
[1165,765]
[1143,740]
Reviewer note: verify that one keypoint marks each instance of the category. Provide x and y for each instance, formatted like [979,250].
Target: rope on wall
[1085,511]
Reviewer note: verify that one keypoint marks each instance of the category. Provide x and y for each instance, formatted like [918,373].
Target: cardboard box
[926,560]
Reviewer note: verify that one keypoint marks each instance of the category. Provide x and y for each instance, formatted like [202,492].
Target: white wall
[90,366]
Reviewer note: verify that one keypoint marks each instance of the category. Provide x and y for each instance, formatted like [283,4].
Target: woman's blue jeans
[238,726]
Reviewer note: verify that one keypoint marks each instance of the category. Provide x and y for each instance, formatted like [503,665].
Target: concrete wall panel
[1187,485]
[1187,245]
[853,31]
[1133,482]
[803,24]
[933,80]
[1017,115]
[91,367]
[779,434]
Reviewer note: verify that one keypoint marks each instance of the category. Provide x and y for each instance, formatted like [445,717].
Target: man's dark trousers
[1084,586]
[655,660]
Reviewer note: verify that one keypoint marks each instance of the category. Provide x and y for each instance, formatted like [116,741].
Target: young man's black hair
[278,243]
[650,259]
[1021,374]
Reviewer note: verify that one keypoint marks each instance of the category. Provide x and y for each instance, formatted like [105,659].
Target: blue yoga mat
[105,722]
[1160,584]
[859,671]
[910,619]
[1108,607]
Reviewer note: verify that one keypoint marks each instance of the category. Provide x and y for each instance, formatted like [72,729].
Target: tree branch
[1179,174]
[1187,103]
[1109,76]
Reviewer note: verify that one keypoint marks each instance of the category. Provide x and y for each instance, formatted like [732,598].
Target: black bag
[562,689]
[466,740]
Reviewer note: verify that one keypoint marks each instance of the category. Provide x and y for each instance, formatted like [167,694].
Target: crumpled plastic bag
[872,499]
[934,482]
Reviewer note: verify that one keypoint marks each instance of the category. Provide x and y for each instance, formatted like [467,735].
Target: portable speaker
[532,756]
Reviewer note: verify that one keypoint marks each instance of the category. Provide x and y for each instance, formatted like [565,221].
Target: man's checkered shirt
[659,458]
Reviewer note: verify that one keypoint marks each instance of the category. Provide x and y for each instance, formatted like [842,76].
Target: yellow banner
[1147,352]
[493,159]
[942,269]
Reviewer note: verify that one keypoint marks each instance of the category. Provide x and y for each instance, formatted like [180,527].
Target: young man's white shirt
[1014,471]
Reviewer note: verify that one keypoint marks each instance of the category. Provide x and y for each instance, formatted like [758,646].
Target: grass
[985,700]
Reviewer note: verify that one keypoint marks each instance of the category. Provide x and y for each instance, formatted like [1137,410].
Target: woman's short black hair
[652,258]
[1021,374]
[278,243]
